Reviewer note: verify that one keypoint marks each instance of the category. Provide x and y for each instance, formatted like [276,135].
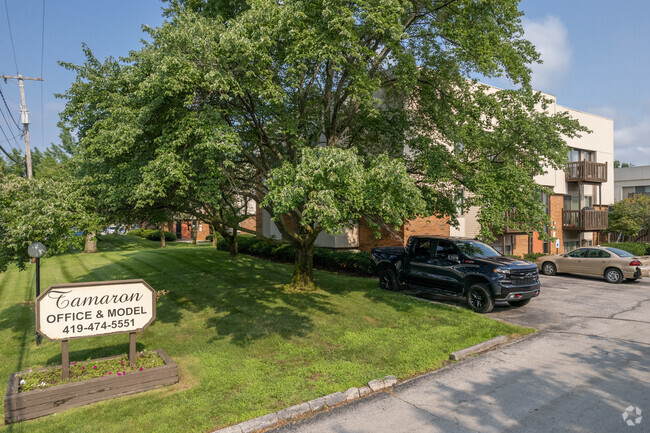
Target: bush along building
[577,208]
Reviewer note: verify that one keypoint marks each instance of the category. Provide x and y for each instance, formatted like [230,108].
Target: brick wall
[556,202]
[250,223]
[368,241]
[431,226]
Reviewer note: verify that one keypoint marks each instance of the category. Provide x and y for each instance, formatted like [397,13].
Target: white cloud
[551,39]
[631,142]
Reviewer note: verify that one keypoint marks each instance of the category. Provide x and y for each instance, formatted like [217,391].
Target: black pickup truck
[462,268]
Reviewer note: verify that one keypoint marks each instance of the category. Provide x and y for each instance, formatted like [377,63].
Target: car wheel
[613,275]
[480,299]
[519,303]
[388,280]
[549,268]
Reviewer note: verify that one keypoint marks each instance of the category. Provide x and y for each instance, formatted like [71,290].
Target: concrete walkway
[589,364]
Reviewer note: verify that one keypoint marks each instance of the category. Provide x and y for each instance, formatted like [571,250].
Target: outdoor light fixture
[37,250]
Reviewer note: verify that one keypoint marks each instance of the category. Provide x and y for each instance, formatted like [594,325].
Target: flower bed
[20,406]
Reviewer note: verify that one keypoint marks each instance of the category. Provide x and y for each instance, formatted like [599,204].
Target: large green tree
[263,85]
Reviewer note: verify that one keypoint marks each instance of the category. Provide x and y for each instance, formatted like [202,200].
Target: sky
[596,57]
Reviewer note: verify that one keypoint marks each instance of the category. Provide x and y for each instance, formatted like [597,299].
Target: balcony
[511,229]
[586,171]
[584,220]
[632,194]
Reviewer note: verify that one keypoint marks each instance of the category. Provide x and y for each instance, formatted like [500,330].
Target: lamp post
[37,250]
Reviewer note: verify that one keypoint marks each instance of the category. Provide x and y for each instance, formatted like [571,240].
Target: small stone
[376,384]
[351,394]
[294,411]
[334,399]
[390,381]
[364,390]
[317,404]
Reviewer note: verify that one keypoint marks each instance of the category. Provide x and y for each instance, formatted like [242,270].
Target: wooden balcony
[586,171]
[584,220]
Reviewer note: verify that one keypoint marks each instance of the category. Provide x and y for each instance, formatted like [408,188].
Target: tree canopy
[274,97]
[630,216]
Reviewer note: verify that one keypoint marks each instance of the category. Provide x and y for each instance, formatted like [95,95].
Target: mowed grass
[245,346]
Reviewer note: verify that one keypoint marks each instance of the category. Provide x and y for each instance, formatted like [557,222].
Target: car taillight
[635,263]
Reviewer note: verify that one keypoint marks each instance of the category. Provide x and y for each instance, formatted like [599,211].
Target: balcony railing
[584,219]
[511,227]
[586,171]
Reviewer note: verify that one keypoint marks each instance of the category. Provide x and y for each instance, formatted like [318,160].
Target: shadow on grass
[244,297]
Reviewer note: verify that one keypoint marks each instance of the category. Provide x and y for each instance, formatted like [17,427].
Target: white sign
[66,311]
[557,243]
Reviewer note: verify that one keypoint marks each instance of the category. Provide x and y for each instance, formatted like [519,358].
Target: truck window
[422,248]
[445,248]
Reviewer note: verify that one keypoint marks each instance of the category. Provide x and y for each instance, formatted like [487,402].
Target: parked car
[461,268]
[613,264]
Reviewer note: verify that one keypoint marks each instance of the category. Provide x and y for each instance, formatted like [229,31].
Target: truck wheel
[519,303]
[388,280]
[613,275]
[549,268]
[479,298]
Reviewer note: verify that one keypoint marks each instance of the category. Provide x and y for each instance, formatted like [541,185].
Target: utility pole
[24,118]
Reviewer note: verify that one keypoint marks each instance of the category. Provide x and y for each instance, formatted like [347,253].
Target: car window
[577,253]
[477,249]
[445,248]
[422,247]
[620,252]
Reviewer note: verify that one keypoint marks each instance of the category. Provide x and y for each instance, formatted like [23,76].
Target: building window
[642,190]
[570,246]
[577,155]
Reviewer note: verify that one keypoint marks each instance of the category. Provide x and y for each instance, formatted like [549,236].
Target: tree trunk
[193,232]
[163,243]
[214,239]
[303,269]
[234,246]
[91,243]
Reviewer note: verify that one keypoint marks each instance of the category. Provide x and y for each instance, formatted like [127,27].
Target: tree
[618,164]
[264,84]
[43,210]
[630,216]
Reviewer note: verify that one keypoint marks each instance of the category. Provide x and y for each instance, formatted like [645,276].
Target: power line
[9,111]
[9,128]
[2,148]
[11,37]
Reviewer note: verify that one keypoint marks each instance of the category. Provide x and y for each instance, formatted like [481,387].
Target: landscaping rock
[258,423]
[364,390]
[390,381]
[317,404]
[376,384]
[351,394]
[294,411]
[334,399]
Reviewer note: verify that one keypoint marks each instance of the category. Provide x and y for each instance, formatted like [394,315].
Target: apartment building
[578,206]
[631,180]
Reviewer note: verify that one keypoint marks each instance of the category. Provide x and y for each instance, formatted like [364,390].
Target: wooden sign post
[68,311]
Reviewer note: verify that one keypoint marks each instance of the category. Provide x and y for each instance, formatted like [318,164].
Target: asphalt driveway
[589,363]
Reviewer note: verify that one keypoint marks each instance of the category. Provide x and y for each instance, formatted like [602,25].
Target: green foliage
[636,248]
[36,210]
[532,257]
[356,262]
[630,215]
[152,234]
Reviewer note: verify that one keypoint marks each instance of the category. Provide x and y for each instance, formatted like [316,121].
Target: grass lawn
[245,346]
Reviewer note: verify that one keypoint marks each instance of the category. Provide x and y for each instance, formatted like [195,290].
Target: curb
[481,347]
[313,406]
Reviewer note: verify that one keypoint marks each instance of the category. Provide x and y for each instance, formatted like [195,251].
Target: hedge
[358,262]
[636,248]
[152,235]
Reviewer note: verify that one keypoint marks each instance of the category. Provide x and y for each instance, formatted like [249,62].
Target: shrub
[636,248]
[135,232]
[358,262]
[532,257]
[155,235]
